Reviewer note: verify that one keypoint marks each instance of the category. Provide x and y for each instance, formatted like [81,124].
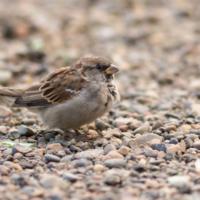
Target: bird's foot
[77,135]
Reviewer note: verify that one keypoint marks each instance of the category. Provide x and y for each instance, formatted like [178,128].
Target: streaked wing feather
[57,87]
[61,85]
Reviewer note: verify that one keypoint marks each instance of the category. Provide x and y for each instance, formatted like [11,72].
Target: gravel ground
[150,147]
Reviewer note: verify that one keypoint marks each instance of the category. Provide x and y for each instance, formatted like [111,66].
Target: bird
[71,96]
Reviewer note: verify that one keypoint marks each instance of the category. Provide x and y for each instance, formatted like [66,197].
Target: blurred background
[155,43]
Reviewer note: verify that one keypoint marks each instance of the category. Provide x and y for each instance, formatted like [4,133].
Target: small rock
[161,155]
[183,146]
[122,121]
[188,142]
[70,177]
[101,125]
[118,163]
[92,134]
[112,155]
[124,150]
[54,147]
[81,163]
[108,148]
[112,180]
[4,170]
[161,147]
[196,108]
[142,129]
[197,165]
[13,134]
[172,115]
[170,128]
[173,141]
[28,121]
[139,167]
[67,158]
[98,168]
[173,149]
[49,136]
[52,158]
[7,151]
[196,145]
[25,131]
[157,125]
[49,181]
[182,183]
[4,111]
[61,153]
[148,137]
[123,128]
[21,149]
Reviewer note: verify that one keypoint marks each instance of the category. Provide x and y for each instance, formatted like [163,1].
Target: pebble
[124,150]
[54,147]
[161,147]
[123,128]
[98,168]
[67,158]
[157,125]
[182,183]
[142,129]
[5,77]
[112,155]
[196,145]
[52,158]
[112,180]
[81,163]
[108,148]
[49,136]
[101,125]
[5,111]
[61,153]
[173,149]
[7,151]
[70,177]
[122,121]
[173,141]
[4,170]
[13,134]
[49,181]
[21,149]
[25,131]
[148,137]
[170,128]
[115,163]
[28,121]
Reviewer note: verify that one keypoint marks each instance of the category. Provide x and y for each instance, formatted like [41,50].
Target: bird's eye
[98,67]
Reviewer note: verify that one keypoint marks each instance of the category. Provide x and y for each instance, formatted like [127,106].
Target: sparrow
[72,96]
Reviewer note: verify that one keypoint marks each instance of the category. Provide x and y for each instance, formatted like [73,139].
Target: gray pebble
[108,148]
[25,131]
[49,136]
[52,158]
[112,180]
[118,163]
[81,163]
[7,151]
[101,125]
[70,177]
[67,158]
[21,149]
[148,137]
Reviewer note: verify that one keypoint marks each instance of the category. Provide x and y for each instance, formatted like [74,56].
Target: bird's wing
[58,87]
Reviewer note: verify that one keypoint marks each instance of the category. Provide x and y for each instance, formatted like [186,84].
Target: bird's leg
[77,135]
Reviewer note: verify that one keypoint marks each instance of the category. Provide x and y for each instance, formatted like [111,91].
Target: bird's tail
[11,93]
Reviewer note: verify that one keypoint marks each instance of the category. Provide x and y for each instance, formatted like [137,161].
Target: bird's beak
[112,69]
